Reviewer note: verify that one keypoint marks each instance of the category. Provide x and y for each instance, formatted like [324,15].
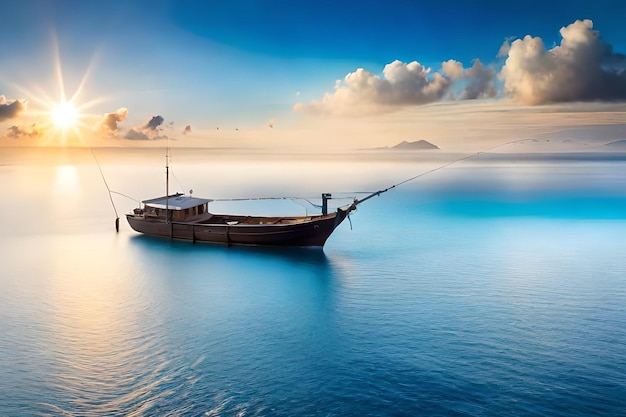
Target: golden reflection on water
[66,180]
[97,327]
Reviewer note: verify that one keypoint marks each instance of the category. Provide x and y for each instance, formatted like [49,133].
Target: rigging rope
[117,217]
[175,177]
[282,198]
[127,196]
[377,193]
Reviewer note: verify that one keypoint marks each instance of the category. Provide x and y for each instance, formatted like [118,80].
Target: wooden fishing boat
[183,217]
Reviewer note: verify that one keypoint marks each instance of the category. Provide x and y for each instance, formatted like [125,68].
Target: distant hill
[407,146]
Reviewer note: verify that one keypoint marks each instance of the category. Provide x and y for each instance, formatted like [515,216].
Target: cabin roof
[176,202]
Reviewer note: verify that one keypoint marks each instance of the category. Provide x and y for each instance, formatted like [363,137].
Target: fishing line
[377,193]
[127,196]
[117,217]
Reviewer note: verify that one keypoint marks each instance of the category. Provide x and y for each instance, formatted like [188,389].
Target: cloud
[402,85]
[108,123]
[362,92]
[149,131]
[154,123]
[582,68]
[505,47]
[476,81]
[187,129]
[136,135]
[452,68]
[11,109]
[19,132]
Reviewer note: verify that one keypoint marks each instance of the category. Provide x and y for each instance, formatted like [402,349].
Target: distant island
[407,146]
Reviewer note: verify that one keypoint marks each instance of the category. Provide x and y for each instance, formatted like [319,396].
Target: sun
[65,121]
[65,115]
[61,119]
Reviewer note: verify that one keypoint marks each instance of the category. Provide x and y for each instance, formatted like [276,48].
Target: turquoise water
[495,287]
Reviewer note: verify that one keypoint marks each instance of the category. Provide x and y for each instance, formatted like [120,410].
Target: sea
[495,286]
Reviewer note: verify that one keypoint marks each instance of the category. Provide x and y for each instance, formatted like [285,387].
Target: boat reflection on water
[149,246]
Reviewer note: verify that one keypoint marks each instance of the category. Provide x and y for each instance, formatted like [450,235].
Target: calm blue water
[492,288]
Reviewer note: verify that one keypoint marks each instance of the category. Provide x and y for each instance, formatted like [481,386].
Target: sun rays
[62,121]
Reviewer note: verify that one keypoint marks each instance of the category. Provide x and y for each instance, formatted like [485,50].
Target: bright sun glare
[63,119]
[65,115]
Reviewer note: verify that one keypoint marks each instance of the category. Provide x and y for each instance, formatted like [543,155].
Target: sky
[311,74]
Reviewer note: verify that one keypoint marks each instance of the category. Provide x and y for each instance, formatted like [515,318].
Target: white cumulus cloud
[582,68]
[476,81]
[364,92]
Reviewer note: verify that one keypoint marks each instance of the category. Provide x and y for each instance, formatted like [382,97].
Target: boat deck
[209,218]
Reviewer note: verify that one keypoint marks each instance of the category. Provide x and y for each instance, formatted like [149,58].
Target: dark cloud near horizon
[109,125]
[154,123]
[145,134]
[149,131]
[19,132]
[187,129]
[135,135]
[9,110]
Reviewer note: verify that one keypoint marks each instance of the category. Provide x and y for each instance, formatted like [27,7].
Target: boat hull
[313,232]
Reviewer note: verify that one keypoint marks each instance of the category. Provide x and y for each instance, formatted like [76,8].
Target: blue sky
[244,64]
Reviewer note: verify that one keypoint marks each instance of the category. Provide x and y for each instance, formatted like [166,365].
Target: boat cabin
[179,208]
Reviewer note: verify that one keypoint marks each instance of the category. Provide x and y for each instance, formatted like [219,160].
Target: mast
[167,184]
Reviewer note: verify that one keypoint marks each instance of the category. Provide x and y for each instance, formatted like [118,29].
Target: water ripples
[426,314]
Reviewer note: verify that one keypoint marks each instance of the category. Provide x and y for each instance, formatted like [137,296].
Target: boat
[187,218]
[183,217]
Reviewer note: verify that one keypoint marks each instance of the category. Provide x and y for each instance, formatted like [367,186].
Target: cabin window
[201,209]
